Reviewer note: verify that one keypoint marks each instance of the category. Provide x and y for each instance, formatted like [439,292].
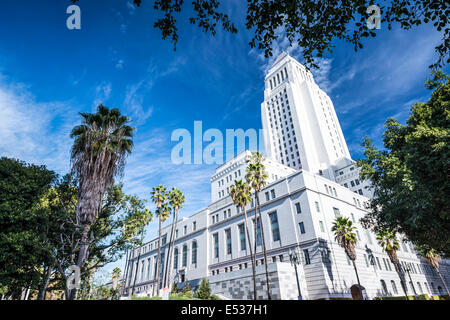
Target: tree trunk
[125,275]
[255,227]
[269,296]
[137,265]
[357,278]
[251,254]
[43,290]
[171,245]
[158,276]
[82,257]
[442,279]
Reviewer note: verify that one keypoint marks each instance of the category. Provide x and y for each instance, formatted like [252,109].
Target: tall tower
[301,128]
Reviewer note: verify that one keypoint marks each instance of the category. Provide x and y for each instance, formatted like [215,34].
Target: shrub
[434,297]
[422,297]
[444,297]
[204,292]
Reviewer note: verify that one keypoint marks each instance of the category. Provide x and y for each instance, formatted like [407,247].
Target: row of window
[275,232]
[245,265]
[414,287]
[278,78]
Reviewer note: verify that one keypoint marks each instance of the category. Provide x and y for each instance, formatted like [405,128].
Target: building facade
[312,180]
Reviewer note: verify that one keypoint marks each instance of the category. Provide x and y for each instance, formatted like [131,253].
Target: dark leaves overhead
[312,24]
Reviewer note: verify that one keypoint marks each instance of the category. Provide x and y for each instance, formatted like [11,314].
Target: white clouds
[27,128]
[102,94]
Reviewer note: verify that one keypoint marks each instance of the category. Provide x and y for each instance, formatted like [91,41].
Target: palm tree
[176,201]
[159,197]
[433,258]
[101,145]
[241,196]
[142,220]
[257,177]
[389,243]
[346,238]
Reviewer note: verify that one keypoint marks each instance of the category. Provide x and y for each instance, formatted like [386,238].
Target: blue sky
[48,74]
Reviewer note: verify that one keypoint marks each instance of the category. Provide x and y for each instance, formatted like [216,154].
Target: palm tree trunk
[442,279]
[251,254]
[401,276]
[357,277]
[137,265]
[169,266]
[158,276]
[82,257]
[255,226]
[169,257]
[269,296]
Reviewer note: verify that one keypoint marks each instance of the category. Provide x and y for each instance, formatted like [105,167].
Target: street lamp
[295,260]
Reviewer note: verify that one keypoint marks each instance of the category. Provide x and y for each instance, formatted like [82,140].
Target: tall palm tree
[346,237]
[257,177]
[142,219]
[176,201]
[241,196]
[433,258]
[101,145]
[389,243]
[159,197]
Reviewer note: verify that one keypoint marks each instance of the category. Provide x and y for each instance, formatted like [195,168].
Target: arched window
[194,252]
[175,259]
[184,255]
[383,287]
[394,287]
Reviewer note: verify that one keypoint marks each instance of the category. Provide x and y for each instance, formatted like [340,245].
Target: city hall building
[312,180]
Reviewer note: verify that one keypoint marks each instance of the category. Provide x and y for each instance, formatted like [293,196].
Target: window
[242,236]
[337,213]
[306,254]
[369,238]
[275,228]
[272,192]
[394,287]
[367,260]
[298,208]
[194,225]
[353,217]
[317,206]
[379,264]
[302,227]
[267,196]
[228,240]
[216,245]
[321,226]
[164,239]
[185,229]
[383,287]
[258,232]
[185,255]
[194,252]
[175,259]
[420,287]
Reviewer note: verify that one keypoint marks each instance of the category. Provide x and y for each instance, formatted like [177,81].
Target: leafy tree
[312,24]
[159,197]
[241,196]
[187,291]
[257,178]
[176,200]
[346,237]
[433,258]
[204,291]
[389,243]
[101,145]
[23,224]
[410,177]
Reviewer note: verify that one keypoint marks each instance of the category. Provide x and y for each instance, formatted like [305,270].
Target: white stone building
[312,180]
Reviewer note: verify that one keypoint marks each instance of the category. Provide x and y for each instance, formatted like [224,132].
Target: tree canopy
[312,24]
[411,176]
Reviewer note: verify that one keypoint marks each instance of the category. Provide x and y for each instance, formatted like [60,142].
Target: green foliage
[174,289]
[313,25]
[410,177]
[23,223]
[204,291]
[186,291]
